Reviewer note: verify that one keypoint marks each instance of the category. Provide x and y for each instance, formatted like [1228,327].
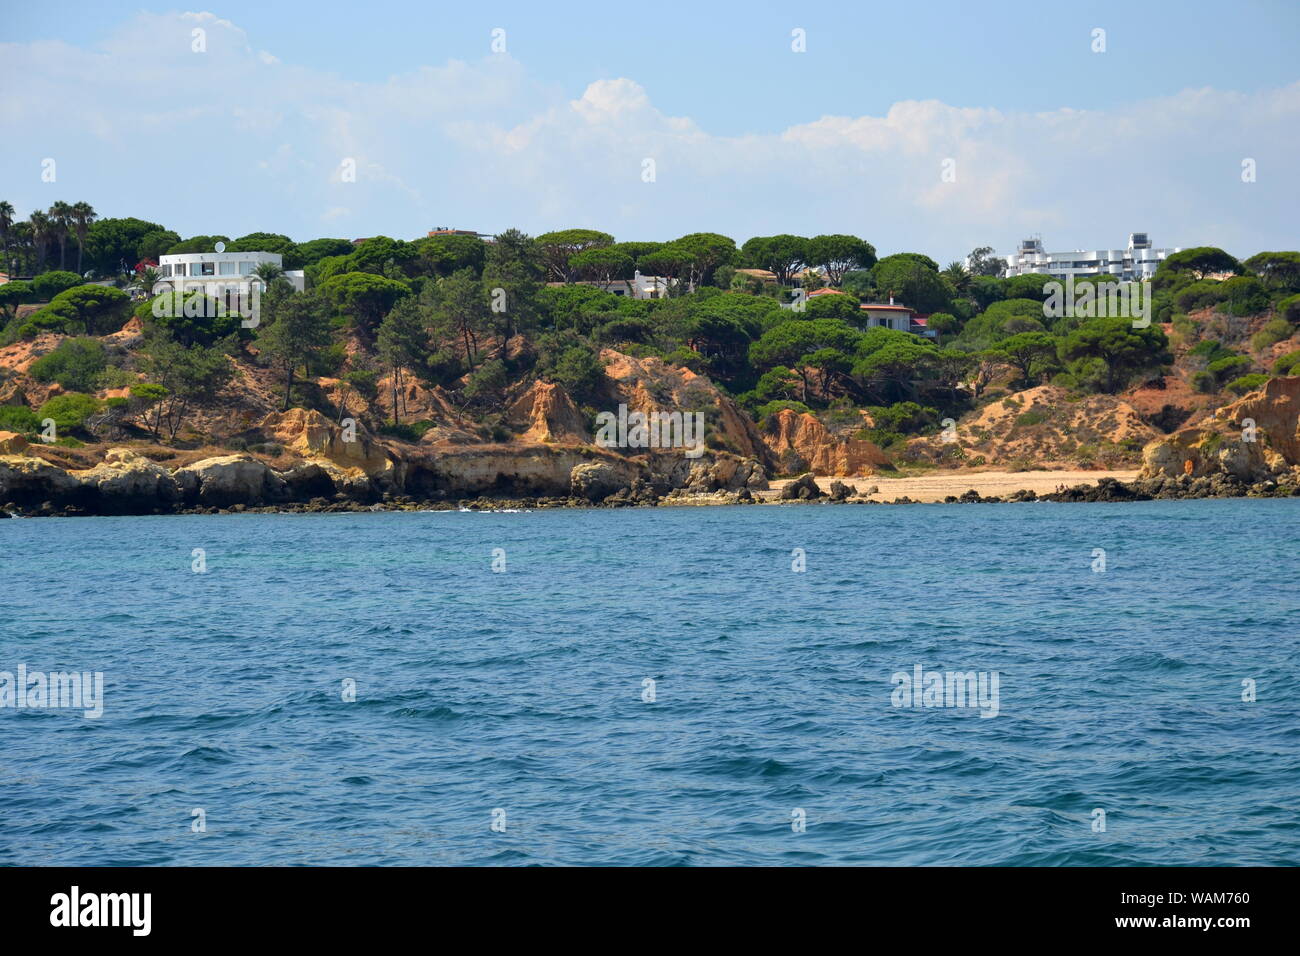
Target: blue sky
[748,137]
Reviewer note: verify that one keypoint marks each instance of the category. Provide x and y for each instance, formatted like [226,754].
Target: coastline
[939,485]
[948,487]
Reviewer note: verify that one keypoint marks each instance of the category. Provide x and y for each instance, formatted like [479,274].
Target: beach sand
[940,484]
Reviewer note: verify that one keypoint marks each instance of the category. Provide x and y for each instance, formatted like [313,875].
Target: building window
[246,268]
[227,268]
[164,271]
[202,269]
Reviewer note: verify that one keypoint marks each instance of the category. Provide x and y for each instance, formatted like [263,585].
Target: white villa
[215,273]
[1137,262]
[637,287]
[887,316]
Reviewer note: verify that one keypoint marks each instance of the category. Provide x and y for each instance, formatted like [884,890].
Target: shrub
[1031,417]
[18,418]
[75,364]
[1247,383]
[47,285]
[13,294]
[191,317]
[1205,383]
[407,431]
[1276,330]
[1225,368]
[1288,364]
[763,412]
[69,411]
[83,310]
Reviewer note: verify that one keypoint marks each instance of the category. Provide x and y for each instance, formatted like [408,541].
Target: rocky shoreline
[804,490]
[1250,449]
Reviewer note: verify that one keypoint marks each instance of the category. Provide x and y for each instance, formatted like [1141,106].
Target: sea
[1033,684]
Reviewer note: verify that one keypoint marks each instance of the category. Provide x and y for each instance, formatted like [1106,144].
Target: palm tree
[270,274]
[42,233]
[83,214]
[61,216]
[22,247]
[957,274]
[6,224]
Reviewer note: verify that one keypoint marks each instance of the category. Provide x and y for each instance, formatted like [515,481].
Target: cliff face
[649,384]
[799,442]
[547,414]
[1226,443]
[1043,425]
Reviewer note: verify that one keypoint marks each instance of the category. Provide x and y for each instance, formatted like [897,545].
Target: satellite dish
[221,247]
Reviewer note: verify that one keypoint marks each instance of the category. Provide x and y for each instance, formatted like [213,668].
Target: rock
[594,481]
[12,443]
[717,471]
[803,488]
[129,483]
[548,415]
[800,437]
[27,480]
[231,479]
[840,491]
[1249,439]
[309,434]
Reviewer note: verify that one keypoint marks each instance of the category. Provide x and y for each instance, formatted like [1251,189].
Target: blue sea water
[522,691]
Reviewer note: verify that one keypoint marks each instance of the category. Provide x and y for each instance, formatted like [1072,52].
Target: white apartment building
[1137,262]
[215,273]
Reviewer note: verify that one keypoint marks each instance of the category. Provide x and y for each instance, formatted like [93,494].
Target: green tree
[82,310]
[294,331]
[364,297]
[914,281]
[444,254]
[191,317]
[890,362]
[49,284]
[692,258]
[603,265]
[6,234]
[512,277]
[787,344]
[942,323]
[558,248]
[1125,351]
[81,216]
[116,245]
[285,247]
[838,254]
[147,398]
[460,310]
[1029,353]
[1196,263]
[14,293]
[840,306]
[985,262]
[783,255]
[403,344]
[1279,270]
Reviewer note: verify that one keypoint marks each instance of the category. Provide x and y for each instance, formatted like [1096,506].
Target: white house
[887,316]
[1137,262]
[215,273]
[637,287]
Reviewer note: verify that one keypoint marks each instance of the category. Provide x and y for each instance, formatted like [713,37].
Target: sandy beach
[940,484]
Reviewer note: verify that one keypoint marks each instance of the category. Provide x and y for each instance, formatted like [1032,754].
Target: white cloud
[234,139]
